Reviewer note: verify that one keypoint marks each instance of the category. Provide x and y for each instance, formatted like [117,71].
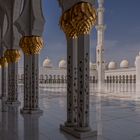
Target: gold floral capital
[67,25]
[3,62]
[79,19]
[31,44]
[84,17]
[12,55]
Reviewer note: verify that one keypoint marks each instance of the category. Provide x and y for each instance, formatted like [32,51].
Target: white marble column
[31,85]
[2,59]
[75,25]
[31,25]
[71,70]
[137,76]
[4,83]
[83,83]
[12,84]
[12,56]
[71,82]
[100,45]
[10,41]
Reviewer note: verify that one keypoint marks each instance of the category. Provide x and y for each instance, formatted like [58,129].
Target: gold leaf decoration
[31,44]
[12,55]
[78,20]
[3,62]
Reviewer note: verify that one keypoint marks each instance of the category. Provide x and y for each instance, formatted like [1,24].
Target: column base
[78,134]
[3,104]
[12,103]
[31,111]
[67,124]
[4,98]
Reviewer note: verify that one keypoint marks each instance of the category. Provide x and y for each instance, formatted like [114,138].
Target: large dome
[62,64]
[112,65]
[124,64]
[47,63]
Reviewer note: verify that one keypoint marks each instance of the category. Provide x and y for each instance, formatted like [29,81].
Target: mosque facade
[100,72]
[113,73]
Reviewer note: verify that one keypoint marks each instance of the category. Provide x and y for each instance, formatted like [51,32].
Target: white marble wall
[54,72]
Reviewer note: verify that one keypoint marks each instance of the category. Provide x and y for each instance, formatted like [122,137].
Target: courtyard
[114,114]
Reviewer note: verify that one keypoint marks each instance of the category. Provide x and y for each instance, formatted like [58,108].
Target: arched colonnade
[21,27]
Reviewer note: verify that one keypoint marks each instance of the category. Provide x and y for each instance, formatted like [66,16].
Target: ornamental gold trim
[12,55]
[31,44]
[3,62]
[78,20]
[67,25]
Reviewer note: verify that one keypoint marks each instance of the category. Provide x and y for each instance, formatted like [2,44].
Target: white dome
[62,64]
[47,63]
[112,65]
[124,64]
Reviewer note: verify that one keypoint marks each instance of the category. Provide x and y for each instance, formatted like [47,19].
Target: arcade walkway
[115,117]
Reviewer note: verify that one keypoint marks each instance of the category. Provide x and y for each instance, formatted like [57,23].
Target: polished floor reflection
[114,112]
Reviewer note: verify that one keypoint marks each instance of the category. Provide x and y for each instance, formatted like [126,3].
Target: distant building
[113,74]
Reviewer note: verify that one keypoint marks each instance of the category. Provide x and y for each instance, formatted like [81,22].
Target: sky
[122,35]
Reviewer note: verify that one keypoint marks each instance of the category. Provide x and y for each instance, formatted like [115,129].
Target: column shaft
[71,82]
[31,87]
[83,83]
[4,81]
[12,83]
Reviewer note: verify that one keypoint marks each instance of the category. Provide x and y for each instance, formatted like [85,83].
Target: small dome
[112,65]
[62,64]
[47,63]
[124,64]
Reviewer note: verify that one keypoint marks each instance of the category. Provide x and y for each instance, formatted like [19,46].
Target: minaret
[100,44]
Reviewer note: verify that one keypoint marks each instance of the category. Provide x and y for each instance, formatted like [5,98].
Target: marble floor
[114,113]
